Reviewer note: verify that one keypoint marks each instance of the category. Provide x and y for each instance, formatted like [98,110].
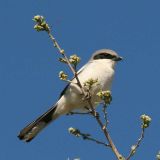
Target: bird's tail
[32,129]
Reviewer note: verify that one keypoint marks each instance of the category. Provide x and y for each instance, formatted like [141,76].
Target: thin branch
[61,51]
[78,133]
[80,113]
[69,81]
[106,133]
[43,26]
[105,113]
[86,137]
[93,112]
[133,150]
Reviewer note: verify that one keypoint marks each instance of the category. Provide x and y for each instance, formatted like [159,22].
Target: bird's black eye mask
[104,56]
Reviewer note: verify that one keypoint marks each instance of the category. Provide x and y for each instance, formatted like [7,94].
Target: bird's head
[108,55]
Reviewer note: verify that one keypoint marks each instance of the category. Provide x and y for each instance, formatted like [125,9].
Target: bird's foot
[86,96]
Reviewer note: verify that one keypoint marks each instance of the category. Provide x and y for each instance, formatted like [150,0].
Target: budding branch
[43,26]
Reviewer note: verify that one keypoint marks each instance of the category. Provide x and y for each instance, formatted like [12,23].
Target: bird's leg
[89,110]
[96,114]
[80,113]
[86,96]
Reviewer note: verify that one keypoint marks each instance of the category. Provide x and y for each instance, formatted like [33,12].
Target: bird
[101,66]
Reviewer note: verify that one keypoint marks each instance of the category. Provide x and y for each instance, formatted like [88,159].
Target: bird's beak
[118,58]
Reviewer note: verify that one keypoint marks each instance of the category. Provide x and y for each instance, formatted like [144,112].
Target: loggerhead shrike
[100,66]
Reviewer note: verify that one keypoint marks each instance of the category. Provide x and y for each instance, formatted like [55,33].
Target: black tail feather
[32,129]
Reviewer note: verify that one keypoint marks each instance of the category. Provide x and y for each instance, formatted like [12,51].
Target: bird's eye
[104,56]
[109,56]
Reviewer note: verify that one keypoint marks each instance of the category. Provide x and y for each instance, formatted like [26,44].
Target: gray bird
[101,67]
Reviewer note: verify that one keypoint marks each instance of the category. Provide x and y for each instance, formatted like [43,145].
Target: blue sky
[29,82]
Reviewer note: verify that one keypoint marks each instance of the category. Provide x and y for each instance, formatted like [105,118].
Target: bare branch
[93,112]
[80,113]
[145,122]
[134,147]
[43,26]
[84,136]
[105,114]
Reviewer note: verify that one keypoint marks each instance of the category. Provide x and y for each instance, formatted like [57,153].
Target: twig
[69,81]
[106,133]
[78,133]
[85,137]
[133,150]
[93,112]
[43,26]
[81,113]
[105,113]
[67,60]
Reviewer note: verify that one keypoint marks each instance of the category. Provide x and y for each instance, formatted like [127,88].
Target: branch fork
[41,25]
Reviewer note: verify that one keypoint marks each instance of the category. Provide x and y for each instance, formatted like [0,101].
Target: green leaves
[90,82]
[74,131]
[158,156]
[62,76]
[145,121]
[74,59]
[105,96]
[41,24]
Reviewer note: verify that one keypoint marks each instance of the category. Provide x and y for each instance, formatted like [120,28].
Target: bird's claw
[86,96]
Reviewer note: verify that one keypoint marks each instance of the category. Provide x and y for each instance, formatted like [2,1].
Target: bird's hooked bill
[118,58]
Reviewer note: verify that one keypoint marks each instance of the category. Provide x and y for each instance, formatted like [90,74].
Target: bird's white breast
[98,69]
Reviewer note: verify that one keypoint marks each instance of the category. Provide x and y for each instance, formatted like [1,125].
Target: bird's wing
[79,72]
